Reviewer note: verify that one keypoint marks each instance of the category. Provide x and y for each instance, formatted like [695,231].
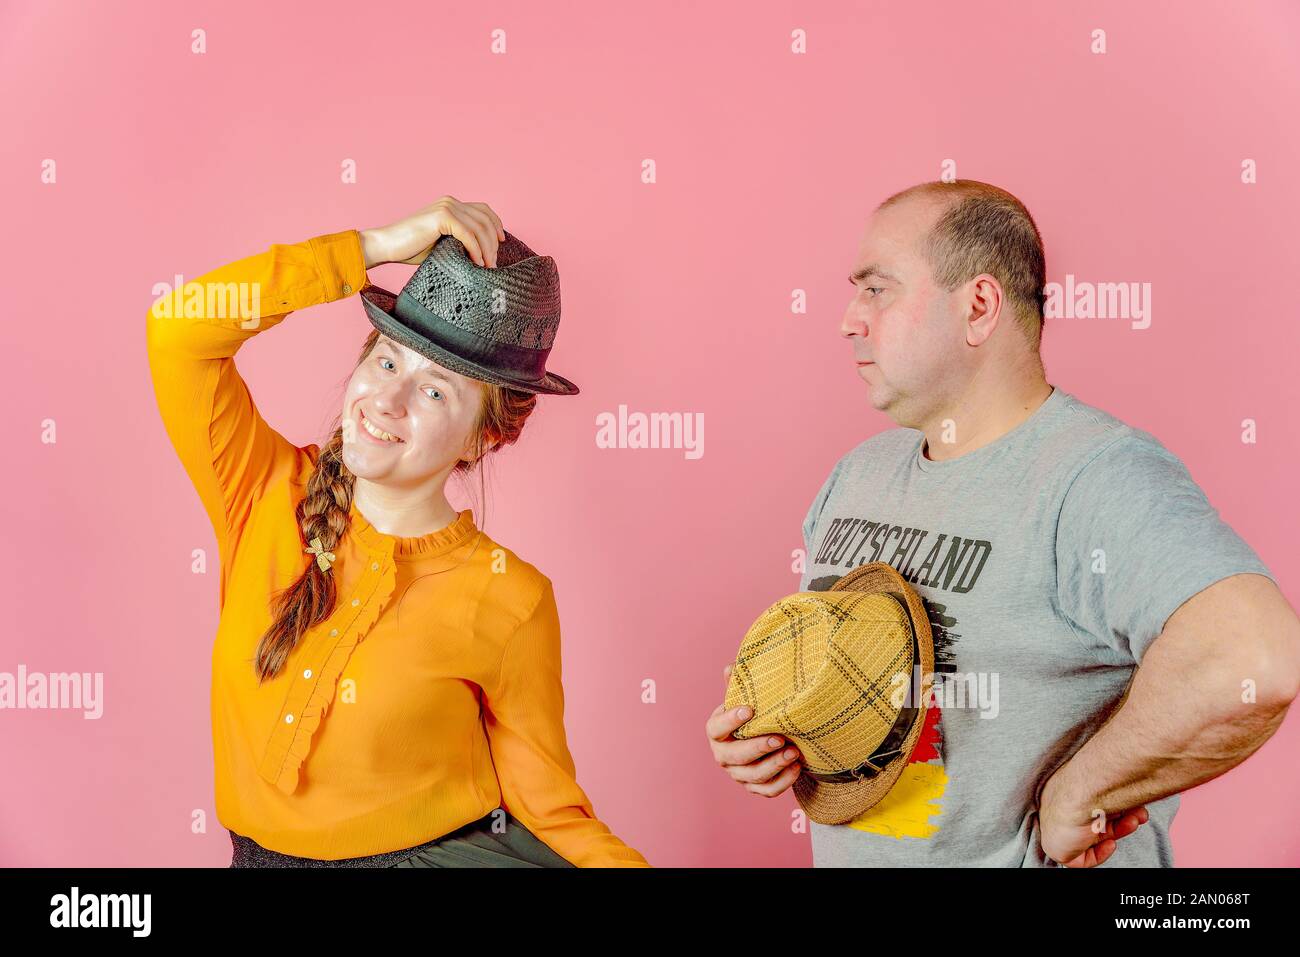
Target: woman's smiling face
[406,418]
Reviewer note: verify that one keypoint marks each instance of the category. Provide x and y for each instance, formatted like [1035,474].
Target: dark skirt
[476,844]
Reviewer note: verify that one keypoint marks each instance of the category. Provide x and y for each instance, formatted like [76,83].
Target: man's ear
[986,302]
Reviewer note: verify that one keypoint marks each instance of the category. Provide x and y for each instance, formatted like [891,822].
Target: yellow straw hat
[836,673]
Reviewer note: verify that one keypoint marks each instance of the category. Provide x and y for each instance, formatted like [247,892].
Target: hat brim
[379,304]
[829,802]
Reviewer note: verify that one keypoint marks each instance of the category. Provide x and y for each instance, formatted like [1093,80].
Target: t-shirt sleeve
[810,522]
[1136,538]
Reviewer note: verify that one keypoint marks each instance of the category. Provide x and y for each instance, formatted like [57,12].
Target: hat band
[890,748]
[520,362]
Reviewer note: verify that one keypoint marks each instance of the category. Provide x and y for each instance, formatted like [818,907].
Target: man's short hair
[984,229]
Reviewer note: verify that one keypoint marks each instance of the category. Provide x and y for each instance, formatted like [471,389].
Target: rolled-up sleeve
[524,719]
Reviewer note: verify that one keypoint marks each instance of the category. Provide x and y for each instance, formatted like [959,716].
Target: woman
[349,585]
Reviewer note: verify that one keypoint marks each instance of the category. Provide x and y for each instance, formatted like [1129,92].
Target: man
[1057,549]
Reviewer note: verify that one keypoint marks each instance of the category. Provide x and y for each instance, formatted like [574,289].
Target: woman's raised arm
[193,333]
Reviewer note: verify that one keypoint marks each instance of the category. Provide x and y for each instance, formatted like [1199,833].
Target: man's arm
[1211,689]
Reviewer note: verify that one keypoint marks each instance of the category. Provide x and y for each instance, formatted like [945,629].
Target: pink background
[676,298]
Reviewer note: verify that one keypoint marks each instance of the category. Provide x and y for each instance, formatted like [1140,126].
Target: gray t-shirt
[1049,560]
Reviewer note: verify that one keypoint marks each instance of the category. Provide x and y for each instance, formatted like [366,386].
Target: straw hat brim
[829,802]
[381,309]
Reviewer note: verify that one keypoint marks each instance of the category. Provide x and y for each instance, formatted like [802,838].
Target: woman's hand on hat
[761,764]
[409,240]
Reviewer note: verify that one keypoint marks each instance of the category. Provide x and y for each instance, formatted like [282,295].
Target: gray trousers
[477,844]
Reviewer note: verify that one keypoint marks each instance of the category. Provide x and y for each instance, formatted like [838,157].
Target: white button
[334,632]
[288,719]
[355,602]
[307,673]
[374,566]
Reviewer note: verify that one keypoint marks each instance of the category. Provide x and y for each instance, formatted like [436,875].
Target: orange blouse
[432,694]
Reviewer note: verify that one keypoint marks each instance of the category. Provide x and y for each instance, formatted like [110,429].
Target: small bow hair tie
[323,558]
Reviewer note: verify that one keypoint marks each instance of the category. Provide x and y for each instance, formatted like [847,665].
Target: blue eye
[436,393]
[876,288]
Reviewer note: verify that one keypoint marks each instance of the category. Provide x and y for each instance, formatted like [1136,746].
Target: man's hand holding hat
[760,764]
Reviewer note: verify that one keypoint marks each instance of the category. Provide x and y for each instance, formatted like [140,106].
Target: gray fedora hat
[496,325]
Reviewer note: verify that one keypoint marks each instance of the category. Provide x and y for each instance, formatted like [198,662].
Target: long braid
[323,513]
